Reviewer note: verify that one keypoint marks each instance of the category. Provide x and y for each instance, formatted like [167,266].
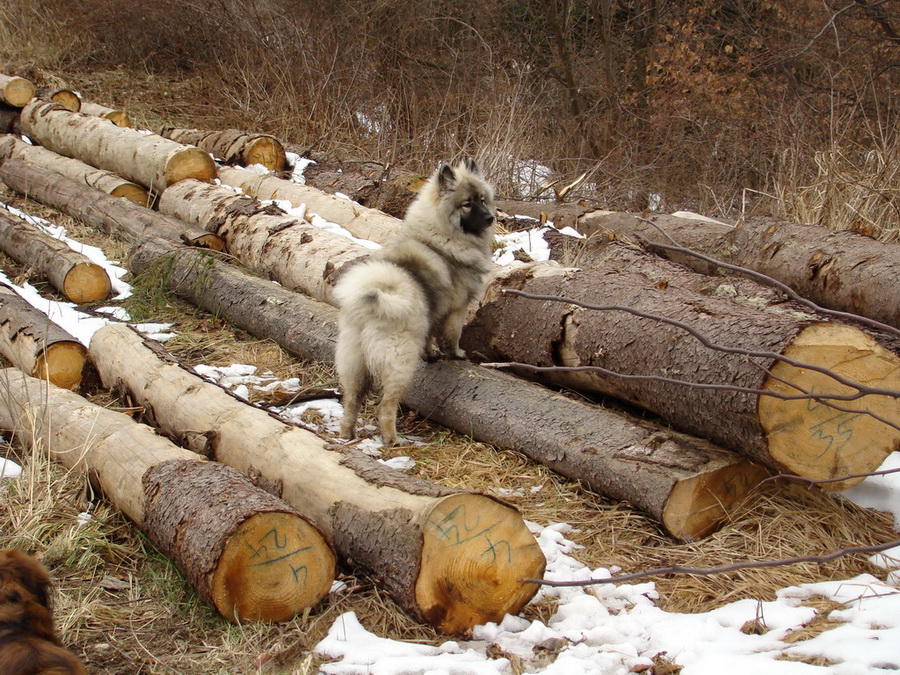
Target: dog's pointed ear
[446,177]
[471,166]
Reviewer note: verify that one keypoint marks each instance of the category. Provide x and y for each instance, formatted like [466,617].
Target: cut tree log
[805,437]
[452,559]
[264,238]
[105,181]
[233,146]
[246,552]
[67,98]
[360,221]
[9,118]
[36,345]
[119,217]
[835,269]
[15,91]
[688,485]
[70,272]
[152,161]
[118,117]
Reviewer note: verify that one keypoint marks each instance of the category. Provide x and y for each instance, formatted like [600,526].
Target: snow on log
[246,552]
[118,117]
[298,255]
[15,91]
[805,437]
[36,345]
[452,559]
[70,272]
[233,146]
[67,98]
[150,160]
[360,221]
[115,216]
[688,485]
[835,269]
[105,181]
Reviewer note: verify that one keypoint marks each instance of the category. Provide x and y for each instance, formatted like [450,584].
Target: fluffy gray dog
[418,287]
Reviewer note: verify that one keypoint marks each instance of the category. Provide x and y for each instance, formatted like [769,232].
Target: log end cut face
[264,150]
[191,162]
[820,441]
[275,565]
[87,282]
[18,91]
[62,364]
[133,193]
[474,554]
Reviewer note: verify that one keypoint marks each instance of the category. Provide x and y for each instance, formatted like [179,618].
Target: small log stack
[247,553]
[118,117]
[233,146]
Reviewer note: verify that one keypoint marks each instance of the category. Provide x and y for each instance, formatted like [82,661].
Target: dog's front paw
[458,353]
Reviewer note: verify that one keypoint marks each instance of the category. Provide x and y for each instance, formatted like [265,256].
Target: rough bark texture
[233,146]
[687,484]
[36,345]
[15,91]
[77,170]
[550,333]
[360,221]
[119,217]
[152,161]
[838,270]
[70,272]
[247,552]
[118,117]
[298,467]
[160,487]
[296,254]
[65,97]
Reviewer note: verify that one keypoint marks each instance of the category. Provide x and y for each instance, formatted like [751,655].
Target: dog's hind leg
[355,382]
[395,382]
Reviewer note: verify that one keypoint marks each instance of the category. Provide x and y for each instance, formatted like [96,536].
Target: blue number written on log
[455,529]
[280,544]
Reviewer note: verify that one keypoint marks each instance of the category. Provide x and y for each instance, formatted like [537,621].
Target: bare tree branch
[811,482]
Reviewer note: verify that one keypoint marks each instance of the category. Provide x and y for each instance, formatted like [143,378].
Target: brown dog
[28,643]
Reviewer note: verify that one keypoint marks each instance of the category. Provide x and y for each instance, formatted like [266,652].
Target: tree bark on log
[152,161]
[686,484]
[360,221]
[105,181]
[15,91]
[118,117]
[246,552]
[451,559]
[233,146]
[119,217]
[273,244]
[797,436]
[36,345]
[67,98]
[835,269]
[70,272]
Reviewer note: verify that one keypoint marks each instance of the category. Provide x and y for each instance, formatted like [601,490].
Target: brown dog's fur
[28,642]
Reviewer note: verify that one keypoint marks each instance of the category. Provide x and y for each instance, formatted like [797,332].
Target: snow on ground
[608,629]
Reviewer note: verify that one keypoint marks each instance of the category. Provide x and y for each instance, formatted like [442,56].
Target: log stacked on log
[687,485]
[152,161]
[70,272]
[105,181]
[15,91]
[802,436]
[246,552]
[36,345]
[118,217]
[452,559]
[118,117]
[67,98]
[233,146]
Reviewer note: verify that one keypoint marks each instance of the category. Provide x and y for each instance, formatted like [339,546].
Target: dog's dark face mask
[475,216]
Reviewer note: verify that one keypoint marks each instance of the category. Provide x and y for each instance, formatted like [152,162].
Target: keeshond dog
[410,299]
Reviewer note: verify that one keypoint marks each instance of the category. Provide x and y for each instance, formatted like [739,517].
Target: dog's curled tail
[381,290]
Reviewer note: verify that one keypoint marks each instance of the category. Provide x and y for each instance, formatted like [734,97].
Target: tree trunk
[66,98]
[118,117]
[77,170]
[799,436]
[360,221]
[119,217]
[264,238]
[451,559]
[15,91]
[835,269]
[36,345]
[70,272]
[686,484]
[152,161]
[247,553]
[233,146]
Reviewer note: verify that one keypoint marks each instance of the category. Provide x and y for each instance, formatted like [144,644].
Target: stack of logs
[759,382]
